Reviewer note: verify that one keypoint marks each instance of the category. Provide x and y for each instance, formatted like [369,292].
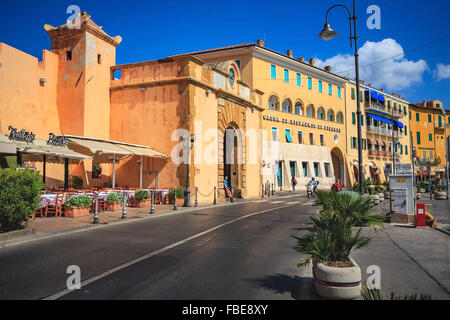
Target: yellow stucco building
[428,128]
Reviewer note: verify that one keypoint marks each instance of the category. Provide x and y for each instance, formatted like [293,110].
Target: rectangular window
[327,169]
[389,103]
[309,83]
[68,55]
[339,92]
[431,155]
[410,115]
[448,120]
[311,138]
[406,130]
[300,137]
[288,135]
[299,79]
[322,140]
[330,89]
[418,137]
[320,86]
[440,121]
[353,94]
[429,118]
[424,156]
[362,120]
[353,118]
[286,75]
[99,59]
[430,137]
[406,149]
[418,117]
[274,134]
[316,169]
[361,96]
[273,71]
[305,168]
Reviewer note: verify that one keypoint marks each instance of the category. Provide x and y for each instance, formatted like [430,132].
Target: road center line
[156,252]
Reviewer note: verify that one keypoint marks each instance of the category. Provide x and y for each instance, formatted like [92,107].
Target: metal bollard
[273,191]
[124,206]
[152,208]
[215,195]
[262,190]
[175,206]
[196,197]
[96,208]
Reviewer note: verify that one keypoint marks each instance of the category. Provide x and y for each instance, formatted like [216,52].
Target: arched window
[321,114]
[339,118]
[330,115]
[310,111]
[298,108]
[273,103]
[286,107]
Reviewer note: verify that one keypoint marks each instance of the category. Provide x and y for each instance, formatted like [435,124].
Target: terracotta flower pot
[113,206]
[75,212]
[142,203]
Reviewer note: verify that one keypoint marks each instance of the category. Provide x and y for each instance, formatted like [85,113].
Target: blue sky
[156,29]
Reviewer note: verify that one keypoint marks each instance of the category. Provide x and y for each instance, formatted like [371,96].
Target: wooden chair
[40,212]
[57,207]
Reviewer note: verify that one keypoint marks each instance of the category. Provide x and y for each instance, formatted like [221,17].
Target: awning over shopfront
[111,151]
[380,118]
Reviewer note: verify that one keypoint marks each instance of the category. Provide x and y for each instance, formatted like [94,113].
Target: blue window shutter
[330,89]
[309,83]
[286,75]
[273,71]
[339,92]
[299,79]
[320,86]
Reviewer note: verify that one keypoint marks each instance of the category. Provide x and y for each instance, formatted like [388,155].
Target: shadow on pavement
[300,288]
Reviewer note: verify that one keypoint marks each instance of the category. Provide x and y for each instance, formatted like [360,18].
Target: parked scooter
[310,190]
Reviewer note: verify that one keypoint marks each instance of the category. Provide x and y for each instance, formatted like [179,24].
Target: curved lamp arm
[349,18]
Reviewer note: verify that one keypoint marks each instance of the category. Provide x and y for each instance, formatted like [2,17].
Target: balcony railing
[382,107]
[396,155]
[379,130]
[424,161]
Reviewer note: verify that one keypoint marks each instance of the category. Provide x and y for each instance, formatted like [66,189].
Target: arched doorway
[338,164]
[233,158]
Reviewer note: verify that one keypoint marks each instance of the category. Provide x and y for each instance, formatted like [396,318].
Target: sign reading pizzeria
[300,123]
[58,141]
[21,135]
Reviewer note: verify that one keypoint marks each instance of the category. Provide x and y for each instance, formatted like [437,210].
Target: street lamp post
[187,191]
[327,34]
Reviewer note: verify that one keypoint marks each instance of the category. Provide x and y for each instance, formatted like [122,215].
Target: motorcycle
[311,190]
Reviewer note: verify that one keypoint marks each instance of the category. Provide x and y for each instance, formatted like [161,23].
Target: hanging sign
[21,135]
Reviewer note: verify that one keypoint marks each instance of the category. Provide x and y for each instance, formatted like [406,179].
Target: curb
[17,234]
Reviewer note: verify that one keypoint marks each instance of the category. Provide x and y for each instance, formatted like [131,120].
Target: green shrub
[180,193]
[19,197]
[114,197]
[76,181]
[79,201]
[142,195]
[335,235]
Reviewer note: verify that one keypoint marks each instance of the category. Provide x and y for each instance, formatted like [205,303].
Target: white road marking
[154,253]
[293,202]
[277,201]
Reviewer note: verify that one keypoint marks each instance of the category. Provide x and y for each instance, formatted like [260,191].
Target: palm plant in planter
[114,201]
[77,206]
[142,199]
[335,237]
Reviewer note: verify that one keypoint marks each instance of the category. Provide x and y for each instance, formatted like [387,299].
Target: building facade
[428,131]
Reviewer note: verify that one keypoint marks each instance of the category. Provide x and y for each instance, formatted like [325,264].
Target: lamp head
[327,33]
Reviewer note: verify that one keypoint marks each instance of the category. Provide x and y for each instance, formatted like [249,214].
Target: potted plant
[77,206]
[76,182]
[335,237]
[439,192]
[114,201]
[96,171]
[179,196]
[142,199]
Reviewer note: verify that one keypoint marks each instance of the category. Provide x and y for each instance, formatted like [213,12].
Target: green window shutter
[440,121]
[429,118]
[430,136]
[361,97]
[410,115]
[406,130]
[417,116]
[362,120]
[406,149]
[404,110]
[418,137]
[389,103]
[353,93]
[353,118]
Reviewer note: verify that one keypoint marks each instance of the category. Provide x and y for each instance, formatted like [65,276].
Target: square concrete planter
[113,206]
[337,282]
[75,212]
[142,203]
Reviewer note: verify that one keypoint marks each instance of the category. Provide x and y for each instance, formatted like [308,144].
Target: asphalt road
[249,258]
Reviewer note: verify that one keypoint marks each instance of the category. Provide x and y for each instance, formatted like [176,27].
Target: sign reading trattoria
[21,135]
[300,123]
[58,141]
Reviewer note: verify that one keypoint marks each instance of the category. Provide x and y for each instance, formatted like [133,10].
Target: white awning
[95,146]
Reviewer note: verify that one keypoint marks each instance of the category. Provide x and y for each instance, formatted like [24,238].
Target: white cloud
[442,71]
[393,74]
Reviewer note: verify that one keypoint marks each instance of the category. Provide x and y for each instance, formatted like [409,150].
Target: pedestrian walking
[336,187]
[294,183]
